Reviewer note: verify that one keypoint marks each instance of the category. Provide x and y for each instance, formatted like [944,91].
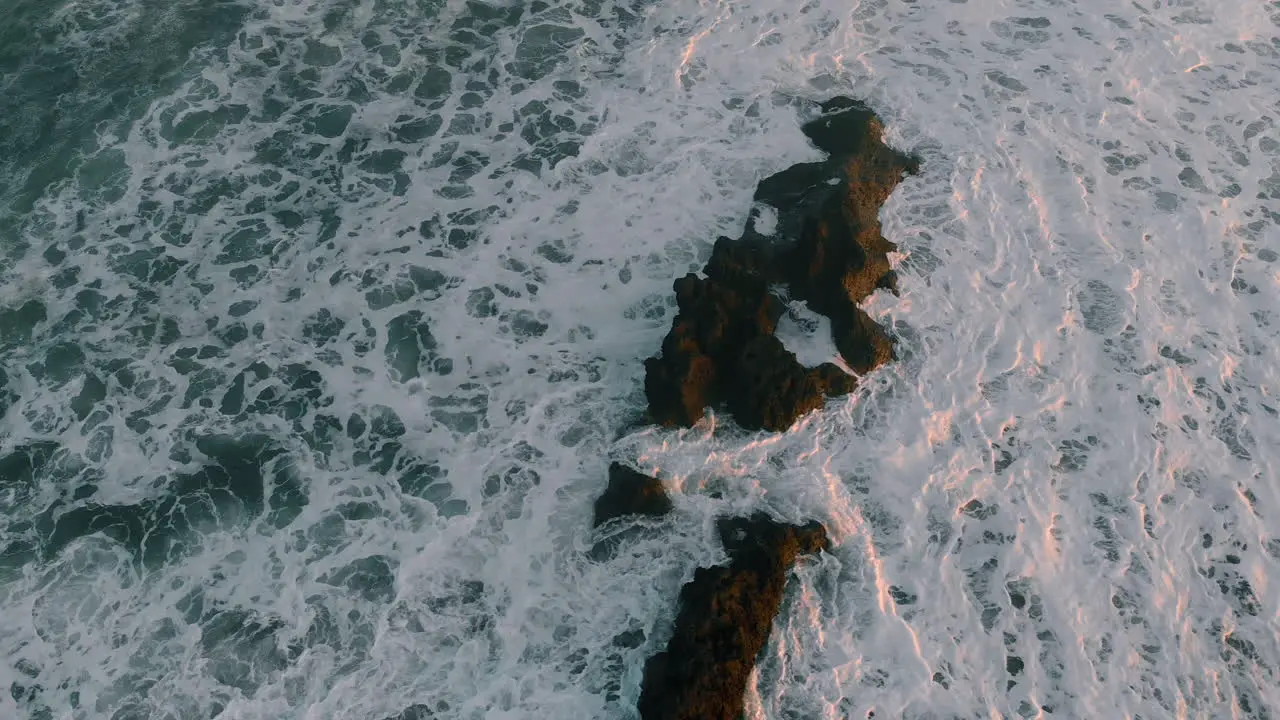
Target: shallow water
[320,323]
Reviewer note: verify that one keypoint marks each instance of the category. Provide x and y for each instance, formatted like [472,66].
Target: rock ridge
[826,250]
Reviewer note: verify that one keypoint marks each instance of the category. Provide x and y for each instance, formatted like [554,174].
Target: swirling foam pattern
[320,321]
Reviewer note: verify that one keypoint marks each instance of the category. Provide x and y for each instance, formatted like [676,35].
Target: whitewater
[320,322]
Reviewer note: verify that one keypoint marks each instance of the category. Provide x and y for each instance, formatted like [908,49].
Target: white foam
[1039,293]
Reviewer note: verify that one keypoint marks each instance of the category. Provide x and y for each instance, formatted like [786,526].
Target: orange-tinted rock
[630,493]
[772,388]
[703,362]
[725,617]
[832,380]
[828,251]
[840,256]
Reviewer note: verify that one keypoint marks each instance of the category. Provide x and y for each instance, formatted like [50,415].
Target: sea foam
[314,359]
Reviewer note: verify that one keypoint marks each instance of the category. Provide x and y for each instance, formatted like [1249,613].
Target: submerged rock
[726,615]
[828,251]
[629,494]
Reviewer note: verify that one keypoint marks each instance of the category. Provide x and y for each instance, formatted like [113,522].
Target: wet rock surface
[417,711]
[630,493]
[726,615]
[827,251]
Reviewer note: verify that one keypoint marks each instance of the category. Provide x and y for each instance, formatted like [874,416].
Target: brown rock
[840,256]
[721,317]
[829,252]
[832,380]
[721,350]
[725,617]
[630,493]
[771,387]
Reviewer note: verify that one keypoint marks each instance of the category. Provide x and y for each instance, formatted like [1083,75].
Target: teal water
[72,72]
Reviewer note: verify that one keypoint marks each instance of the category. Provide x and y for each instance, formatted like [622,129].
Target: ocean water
[321,321]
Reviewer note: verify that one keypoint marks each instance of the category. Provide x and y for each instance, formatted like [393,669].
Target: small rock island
[826,250]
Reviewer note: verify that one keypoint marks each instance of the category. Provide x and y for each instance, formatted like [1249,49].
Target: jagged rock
[722,350]
[771,387]
[833,380]
[840,256]
[725,617]
[630,493]
[827,250]
[718,317]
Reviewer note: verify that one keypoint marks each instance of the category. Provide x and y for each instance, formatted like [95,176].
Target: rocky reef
[726,615]
[825,249]
[630,493]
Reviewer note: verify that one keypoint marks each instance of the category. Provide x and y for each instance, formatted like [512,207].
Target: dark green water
[69,74]
[239,245]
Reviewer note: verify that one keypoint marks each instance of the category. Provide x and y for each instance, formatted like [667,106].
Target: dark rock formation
[630,493]
[828,252]
[719,315]
[726,615]
[840,257]
[721,351]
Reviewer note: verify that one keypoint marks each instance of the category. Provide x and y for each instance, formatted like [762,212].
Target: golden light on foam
[759,445]
[938,427]
[1135,281]
[1049,539]
[1228,369]
[812,452]
[1259,579]
[1182,599]
[753,702]
[1038,352]
[1009,425]
[883,599]
[690,49]
[845,520]
[1068,321]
